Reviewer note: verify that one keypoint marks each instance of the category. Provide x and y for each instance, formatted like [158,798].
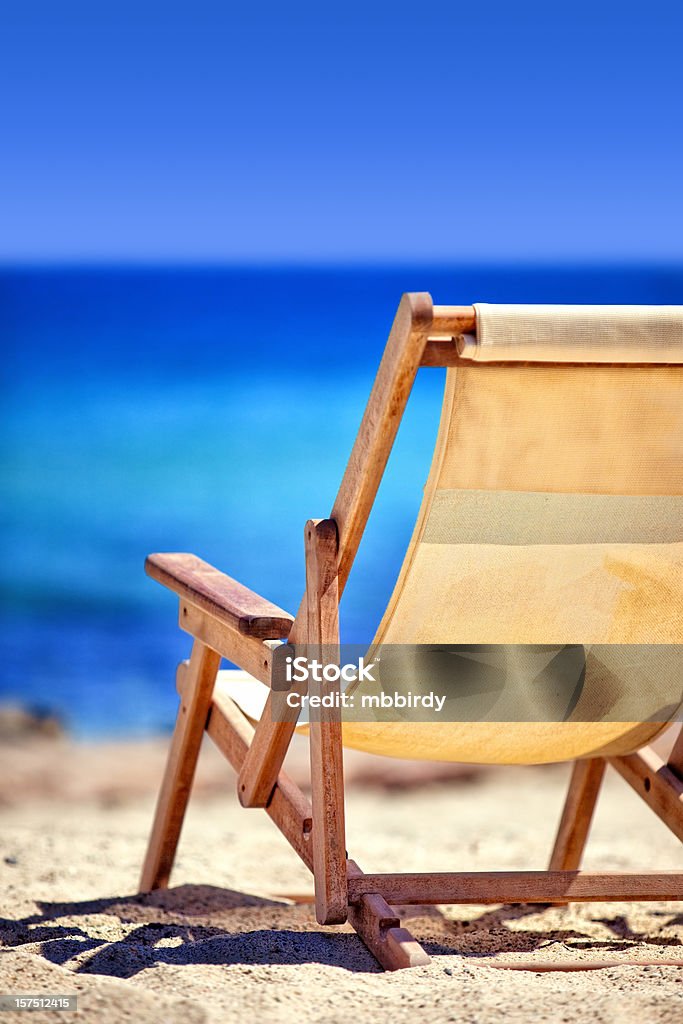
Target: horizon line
[316,264]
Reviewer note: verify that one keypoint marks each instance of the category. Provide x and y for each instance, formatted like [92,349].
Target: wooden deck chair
[552,514]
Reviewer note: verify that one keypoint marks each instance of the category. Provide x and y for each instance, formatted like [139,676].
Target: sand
[226,943]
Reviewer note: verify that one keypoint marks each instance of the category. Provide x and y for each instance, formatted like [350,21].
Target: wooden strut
[380,423]
[577,815]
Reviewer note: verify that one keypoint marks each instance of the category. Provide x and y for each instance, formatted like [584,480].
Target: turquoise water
[207,410]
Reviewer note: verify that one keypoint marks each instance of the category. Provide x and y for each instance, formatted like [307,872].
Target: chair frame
[227,620]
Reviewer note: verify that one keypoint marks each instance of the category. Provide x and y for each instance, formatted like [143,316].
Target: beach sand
[228,943]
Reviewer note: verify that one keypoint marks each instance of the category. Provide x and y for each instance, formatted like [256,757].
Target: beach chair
[552,515]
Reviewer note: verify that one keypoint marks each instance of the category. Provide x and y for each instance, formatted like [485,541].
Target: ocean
[211,410]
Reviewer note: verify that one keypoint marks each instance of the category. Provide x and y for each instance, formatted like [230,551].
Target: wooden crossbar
[450,321]
[487,887]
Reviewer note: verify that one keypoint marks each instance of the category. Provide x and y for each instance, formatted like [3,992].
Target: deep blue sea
[209,410]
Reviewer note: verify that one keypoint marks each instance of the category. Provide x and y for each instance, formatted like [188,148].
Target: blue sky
[340,132]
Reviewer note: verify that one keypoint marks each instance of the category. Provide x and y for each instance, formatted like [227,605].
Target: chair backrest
[553,513]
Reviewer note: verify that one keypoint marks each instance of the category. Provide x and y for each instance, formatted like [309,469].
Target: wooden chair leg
[327,766]
[195,701]
[577,814]
[380,929]
[327,799]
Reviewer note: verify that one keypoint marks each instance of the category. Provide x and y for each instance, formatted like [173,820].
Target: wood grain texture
[659,786]
[577,814]
[380,929]
[325,730]
[197,685]
[448,324]
[380,423]
[450,321]
[227,600]
[486,887]
[381,420]
[251,654]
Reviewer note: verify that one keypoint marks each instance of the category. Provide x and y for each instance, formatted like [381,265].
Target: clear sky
[341,131]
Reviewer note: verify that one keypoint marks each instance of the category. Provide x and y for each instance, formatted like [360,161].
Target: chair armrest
[224,598]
